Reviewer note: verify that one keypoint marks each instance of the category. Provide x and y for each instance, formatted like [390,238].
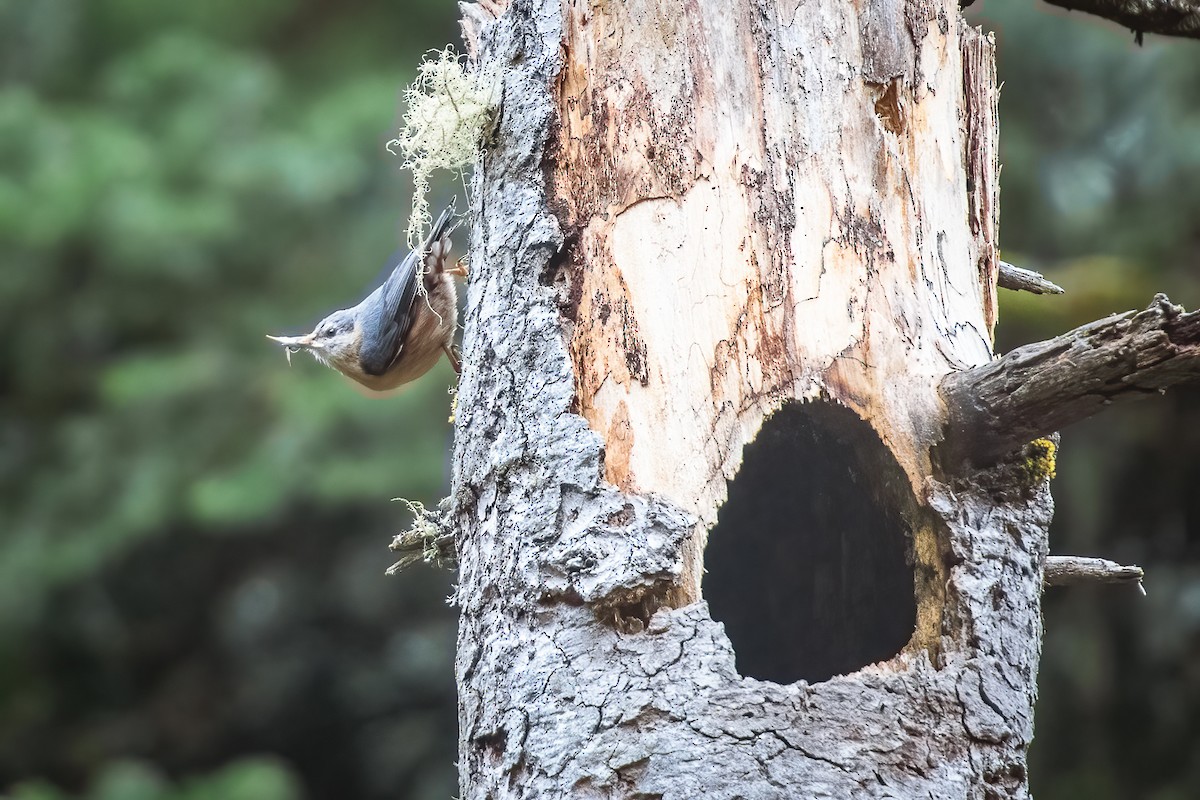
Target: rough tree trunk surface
[693,214]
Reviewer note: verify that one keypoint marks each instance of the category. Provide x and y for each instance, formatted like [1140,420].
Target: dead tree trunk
[724,256]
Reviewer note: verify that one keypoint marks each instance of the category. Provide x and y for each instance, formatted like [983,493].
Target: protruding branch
[1166,17]
[429,539]
[1070,570]
[414,546]
[1025,280]
[1039,388]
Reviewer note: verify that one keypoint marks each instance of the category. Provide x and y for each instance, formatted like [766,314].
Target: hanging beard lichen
[448,112]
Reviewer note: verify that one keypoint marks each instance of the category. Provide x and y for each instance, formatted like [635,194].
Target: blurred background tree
[193,536]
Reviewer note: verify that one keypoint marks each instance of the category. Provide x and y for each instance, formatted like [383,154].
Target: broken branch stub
[1041,387]
[1018,279]
[1072,570]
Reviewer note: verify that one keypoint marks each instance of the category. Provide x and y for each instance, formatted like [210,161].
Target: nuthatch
[396,334]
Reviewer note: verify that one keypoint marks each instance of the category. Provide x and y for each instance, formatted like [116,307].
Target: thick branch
[1019,279]
[1166,17]
[1041,387]
[1070,570]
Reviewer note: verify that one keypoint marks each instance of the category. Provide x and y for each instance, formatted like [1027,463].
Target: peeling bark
[764,201]
[691,216]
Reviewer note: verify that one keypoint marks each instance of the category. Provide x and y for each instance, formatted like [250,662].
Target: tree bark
[692,219]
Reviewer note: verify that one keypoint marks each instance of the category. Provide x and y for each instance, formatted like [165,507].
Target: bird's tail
[436,248]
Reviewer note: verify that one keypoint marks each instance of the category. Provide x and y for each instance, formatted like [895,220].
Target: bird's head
[334,342]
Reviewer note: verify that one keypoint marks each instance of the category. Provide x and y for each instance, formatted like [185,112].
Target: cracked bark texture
[690,215]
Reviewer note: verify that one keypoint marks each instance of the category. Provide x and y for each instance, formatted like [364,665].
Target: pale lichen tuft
[428,539]
[449,111]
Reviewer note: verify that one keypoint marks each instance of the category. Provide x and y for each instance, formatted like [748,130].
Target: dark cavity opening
[808,565]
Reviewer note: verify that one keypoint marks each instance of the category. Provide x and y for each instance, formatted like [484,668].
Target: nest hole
[809,564]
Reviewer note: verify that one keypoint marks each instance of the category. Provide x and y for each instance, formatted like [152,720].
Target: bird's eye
[330,331]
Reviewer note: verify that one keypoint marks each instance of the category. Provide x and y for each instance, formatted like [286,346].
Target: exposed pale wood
[1071,570]
[1019,279]
[1042,387]
[1166,17]
[981,97]
[744,226]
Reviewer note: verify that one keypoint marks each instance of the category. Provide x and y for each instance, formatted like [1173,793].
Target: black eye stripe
[336,328]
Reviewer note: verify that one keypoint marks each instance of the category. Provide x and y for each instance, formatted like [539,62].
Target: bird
[398,332]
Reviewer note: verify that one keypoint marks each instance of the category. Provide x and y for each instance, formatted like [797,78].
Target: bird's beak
[293,343]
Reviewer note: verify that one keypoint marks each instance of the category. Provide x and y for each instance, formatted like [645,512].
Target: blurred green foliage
[245,779]
[192,535]
[155,224]
[176,180]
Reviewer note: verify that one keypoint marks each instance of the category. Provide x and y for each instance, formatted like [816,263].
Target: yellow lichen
[1039,464]
[448,112]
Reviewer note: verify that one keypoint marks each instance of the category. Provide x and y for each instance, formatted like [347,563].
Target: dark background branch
[1165,17]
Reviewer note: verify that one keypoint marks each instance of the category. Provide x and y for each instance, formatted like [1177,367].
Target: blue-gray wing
[388,312]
